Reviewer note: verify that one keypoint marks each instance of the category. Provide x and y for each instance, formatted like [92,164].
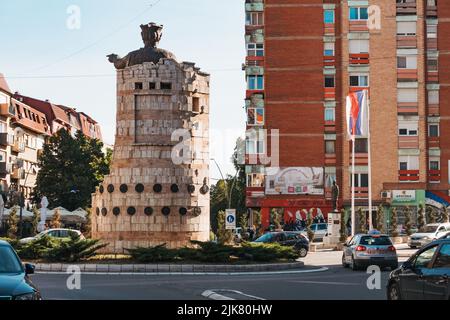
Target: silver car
[364,250]
[428,234]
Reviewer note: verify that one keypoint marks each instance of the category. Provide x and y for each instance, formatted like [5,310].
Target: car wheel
[394,292]
[353,265]
[344,264]
[303,252]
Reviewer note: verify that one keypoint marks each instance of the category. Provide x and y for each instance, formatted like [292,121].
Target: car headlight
[426,238]
[28,296]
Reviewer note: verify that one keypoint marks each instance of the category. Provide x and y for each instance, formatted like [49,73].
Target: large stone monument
[158,188]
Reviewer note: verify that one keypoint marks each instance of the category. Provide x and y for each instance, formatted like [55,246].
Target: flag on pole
[356,114]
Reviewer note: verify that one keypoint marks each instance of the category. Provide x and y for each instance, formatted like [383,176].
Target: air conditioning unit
[386,195]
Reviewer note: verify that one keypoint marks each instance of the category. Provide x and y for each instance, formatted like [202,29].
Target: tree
[224,236]
[309,222]
[70,170]
[445,214]
[55,223]
[86,227]
[431,216]
[343,234]
[380,218]
[12,223]
[394,218]
[362,221]
[35,221]
[408,223]
[420,217]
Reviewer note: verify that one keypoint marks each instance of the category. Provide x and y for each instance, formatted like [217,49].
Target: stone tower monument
[158,189]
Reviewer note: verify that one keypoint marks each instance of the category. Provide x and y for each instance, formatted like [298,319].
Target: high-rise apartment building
[303,59]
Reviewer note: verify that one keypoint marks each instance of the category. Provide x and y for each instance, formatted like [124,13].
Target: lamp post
[227,192]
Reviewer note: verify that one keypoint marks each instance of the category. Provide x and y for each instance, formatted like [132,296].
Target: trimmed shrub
[153,254]
[73,250]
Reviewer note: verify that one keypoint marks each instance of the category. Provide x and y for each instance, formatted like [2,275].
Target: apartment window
[329,81]
[403,166]
[432,64]
[435,165]
[138,86]
[255,82]
[330,147]
[431,31]
[433,130]
[255,49]
[254,146]
[431,3]
[408,163]
[359,81]
[328,49]
[255,116]
[361,180]
[407,62]
[406,28]
[407,95]
[328,16]
[329,114]
[361,146]
[255,176]
[412,132]
[358,46]
[166,86]
[433,97]
[255,18]
[358,14]
[152,85]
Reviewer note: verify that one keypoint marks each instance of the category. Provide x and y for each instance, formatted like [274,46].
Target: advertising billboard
[295,180]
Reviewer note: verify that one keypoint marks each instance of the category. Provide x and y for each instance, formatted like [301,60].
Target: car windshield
[265,238]
[375,241]
[429,229]
[8,261]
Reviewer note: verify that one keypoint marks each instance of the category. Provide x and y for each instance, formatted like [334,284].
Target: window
[329,81]
[152,85]
[255,116]
[255,176]
[407,62]
[358,14]
[328,16]
[358,46]
[329,114]
[254,146]
[443,258]
[359,81]
[434,165]
[330,147]
[424,259]
[431,31]
[361,146]
[361,180]
[255,50]
[407,95]
[408,163]
[138,86]
[433,130]
[433,97]
[408,128]
[3,127]
[328,49]
[166,86]
[432,64]
[254,19]
[255,82]
[403,166]
[406,28]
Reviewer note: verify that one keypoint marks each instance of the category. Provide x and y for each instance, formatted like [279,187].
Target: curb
[164,268]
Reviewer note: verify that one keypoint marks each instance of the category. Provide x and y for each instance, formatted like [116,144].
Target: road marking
[212,294]
[327,282]
[193,273]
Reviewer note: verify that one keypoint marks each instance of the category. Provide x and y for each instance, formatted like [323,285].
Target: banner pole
[353,187]
[369,161]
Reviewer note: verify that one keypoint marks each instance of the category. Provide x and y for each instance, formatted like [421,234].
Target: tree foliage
[408,222]
[70,169]
[380,218]
[35,220]
[12,223]
[362,220]
[55,223]
[421,217]
[394,222]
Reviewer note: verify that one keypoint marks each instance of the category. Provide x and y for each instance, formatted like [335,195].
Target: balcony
[5,168]
[330,93]
[434,142]
[407,8]
[329,61]
[407,75]
[434,176]
[6,139]
[408,175]
[408,142]
[406,41]
[432,11]
[18,174]
[7,110]
[359,58]
[410,108]
[361,192]
[18,147]
[358,26]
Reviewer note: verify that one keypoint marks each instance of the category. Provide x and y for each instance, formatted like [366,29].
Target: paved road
[335,283]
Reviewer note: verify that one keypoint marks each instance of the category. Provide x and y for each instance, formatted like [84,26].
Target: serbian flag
[356,114]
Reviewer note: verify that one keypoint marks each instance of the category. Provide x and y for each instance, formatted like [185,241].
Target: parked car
[445,236]
[425,276]
[428,234]
[364,250]
[54,233]
[287,238]
[15,283]
[320,231]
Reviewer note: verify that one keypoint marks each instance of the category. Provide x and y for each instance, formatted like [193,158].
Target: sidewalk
[403,250]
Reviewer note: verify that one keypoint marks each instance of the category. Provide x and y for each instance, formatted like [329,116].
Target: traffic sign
[230,219]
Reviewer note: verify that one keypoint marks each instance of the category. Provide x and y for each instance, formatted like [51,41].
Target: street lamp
[228,193]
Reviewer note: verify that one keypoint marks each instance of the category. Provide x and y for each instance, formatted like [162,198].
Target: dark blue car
[15,283]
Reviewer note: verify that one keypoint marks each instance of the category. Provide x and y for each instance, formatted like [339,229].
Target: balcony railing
[408,142]
[407,8]
[359,58]
[407,74]
[434,176]
[329,61]
[408,175]
[361,192]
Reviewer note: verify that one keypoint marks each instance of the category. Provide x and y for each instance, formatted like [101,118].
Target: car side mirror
[29,268]
[407,265]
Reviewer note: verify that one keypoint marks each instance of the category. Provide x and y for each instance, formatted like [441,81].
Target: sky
[47,53]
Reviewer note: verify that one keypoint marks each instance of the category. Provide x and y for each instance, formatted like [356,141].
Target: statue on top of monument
[151,35]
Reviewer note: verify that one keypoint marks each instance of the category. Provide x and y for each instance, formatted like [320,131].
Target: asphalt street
[334,283]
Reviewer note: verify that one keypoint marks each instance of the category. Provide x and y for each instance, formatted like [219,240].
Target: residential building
[303,59]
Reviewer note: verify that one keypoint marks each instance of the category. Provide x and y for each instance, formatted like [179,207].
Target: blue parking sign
[230,219]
